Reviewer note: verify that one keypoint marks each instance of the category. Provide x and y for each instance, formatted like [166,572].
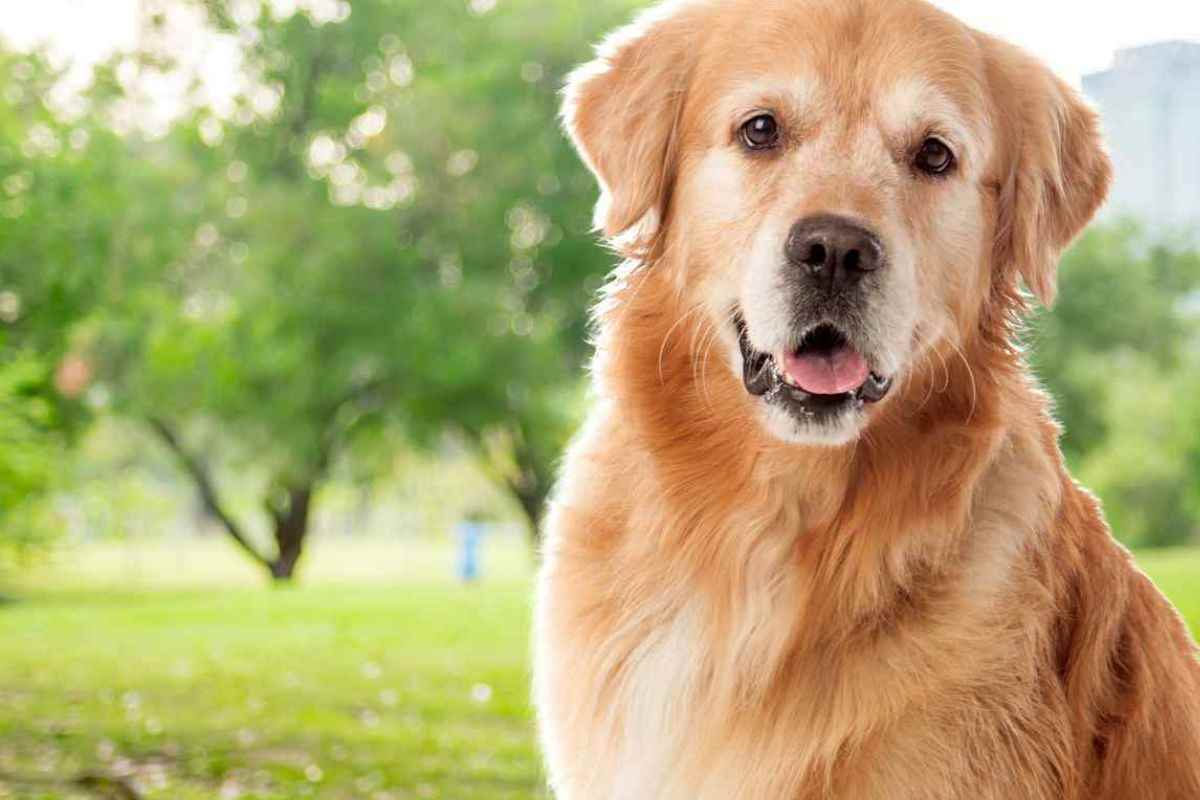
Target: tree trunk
[291,528]
[283,568]
[529,483]
[290,519]
[531,487]
[206,489]
[531,497]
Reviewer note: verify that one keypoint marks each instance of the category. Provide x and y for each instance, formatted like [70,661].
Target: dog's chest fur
[686,690]
[687,670]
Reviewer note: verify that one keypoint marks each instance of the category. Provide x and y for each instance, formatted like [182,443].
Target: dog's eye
[760,133]
[934,157]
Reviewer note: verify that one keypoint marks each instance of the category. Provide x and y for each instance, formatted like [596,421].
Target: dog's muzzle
[824,375]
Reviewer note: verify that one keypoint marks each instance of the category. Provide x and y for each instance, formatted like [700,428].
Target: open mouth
[826,373]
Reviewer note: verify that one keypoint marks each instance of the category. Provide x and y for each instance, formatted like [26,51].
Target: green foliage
[1121,353]
[432,221]
[48,272]
[385,235]
[389,232]
[29,450]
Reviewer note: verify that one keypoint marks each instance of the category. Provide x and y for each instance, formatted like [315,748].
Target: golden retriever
[817,539]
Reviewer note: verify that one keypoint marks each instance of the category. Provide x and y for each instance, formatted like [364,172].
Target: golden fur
[932,610]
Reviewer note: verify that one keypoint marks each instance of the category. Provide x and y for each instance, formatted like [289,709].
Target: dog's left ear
[622,109]
[1052,171]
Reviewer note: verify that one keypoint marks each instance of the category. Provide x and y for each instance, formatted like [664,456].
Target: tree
[386,232]
[1120,353]
[58,207]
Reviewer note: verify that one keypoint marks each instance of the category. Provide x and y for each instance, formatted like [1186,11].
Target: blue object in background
[470,537]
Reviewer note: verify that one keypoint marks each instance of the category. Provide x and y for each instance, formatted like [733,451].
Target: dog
[816,538]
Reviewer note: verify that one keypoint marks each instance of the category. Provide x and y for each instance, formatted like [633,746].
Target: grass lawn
[187,679]
[172,671]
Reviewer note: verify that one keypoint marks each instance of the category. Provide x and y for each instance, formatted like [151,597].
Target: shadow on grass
[97,785]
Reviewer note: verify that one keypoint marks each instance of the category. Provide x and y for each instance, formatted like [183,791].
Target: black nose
[833,251]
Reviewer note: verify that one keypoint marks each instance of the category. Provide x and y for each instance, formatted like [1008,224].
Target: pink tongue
[838,372]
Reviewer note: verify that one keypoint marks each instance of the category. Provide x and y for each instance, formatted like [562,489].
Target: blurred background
[293,317]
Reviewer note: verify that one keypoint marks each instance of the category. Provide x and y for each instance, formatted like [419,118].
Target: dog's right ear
[622,109]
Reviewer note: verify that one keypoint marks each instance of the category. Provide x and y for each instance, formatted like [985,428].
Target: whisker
[700,364]
[662,350]
[712,338]
[921,343]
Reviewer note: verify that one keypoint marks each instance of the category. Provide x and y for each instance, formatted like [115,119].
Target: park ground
[168,670]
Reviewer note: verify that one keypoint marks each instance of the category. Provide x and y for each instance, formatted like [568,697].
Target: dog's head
[841,186]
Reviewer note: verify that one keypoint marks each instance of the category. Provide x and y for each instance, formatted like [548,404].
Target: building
[1150,102]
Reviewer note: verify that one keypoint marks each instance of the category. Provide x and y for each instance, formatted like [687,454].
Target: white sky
[1073,36]
[1076,37]
[87,30]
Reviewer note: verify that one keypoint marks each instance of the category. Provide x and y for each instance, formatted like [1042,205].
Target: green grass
[407,687]
[171,669]
[1177,574]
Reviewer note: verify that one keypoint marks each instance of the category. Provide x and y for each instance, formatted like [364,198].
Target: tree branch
[285,161]
[207,489]
[332,433]
[527,485]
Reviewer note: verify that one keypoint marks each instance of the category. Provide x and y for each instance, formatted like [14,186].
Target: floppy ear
[622,109]
[1053,173]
